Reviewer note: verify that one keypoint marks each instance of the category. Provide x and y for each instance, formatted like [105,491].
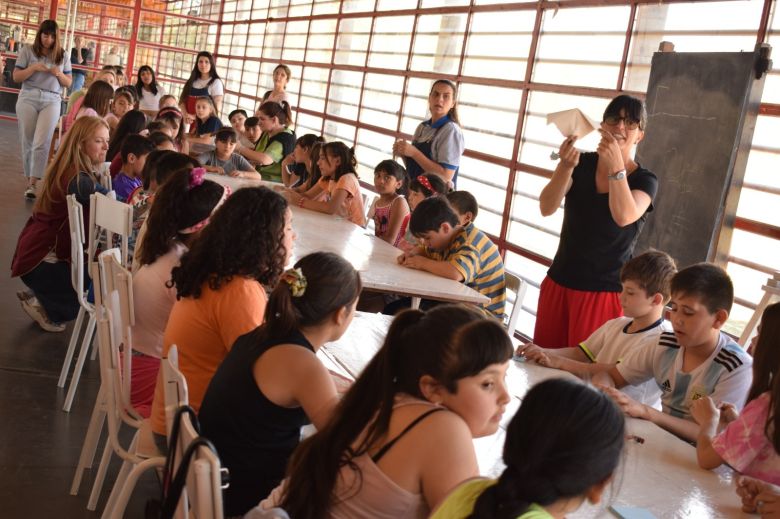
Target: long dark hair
[139,85]
[348,162]
[244,238]
[161,163]
[98,97]
[131,123]
[314,153]
[395,170]
[565,438]
[195,75]
[448,343]
[177,206]
[331,284]
[171,113]
[766,369]
[57,53]
[436,182]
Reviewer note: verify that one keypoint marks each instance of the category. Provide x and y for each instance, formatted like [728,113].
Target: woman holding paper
[607,197]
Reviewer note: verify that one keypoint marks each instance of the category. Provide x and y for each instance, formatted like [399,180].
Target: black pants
[50,282]
[406,302]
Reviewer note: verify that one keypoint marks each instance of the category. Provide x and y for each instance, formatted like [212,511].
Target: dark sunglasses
[614,120]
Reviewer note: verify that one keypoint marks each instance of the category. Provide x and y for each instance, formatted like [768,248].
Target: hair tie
[196,177]
[192,229]
[296,281]
[424,182]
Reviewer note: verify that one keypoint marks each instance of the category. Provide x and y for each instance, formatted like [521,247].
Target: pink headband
[192,229]
[426,184]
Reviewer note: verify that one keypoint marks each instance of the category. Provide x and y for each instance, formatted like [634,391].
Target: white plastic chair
[107,218]
[519,287]
[76,225]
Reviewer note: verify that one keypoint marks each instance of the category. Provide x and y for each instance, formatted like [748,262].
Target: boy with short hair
[646,283]
[696,360]
[252,130]
[133,152]
[465,206]
[454,251]
[222,160]
[237,118]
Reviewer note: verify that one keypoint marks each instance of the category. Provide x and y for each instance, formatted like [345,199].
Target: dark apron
[414,170]
[195,93]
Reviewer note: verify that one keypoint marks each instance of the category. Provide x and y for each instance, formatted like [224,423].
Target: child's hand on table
[537,354]
[759,497]
[627,404]
[704,411]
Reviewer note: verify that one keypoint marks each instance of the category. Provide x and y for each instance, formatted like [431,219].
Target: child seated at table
[695,361]
[237,118]
[465,206]
[420,188]
[646,282]
[206,121]
[222,159]
[750,443]
[390,211]
[271,383]
[401,437]
[128,181]
[551,476]
[453,251]
[300,166]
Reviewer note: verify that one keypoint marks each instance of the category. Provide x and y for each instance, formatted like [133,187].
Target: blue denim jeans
[78,82]
[37,112]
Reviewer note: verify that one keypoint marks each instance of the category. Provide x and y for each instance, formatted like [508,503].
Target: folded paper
[572,123]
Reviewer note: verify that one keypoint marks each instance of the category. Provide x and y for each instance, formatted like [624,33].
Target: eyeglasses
[613,120]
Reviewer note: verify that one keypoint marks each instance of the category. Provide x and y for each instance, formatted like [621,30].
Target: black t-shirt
[253,436]
[299,169]
[593,248]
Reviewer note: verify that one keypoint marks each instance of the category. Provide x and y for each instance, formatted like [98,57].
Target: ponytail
[279,110]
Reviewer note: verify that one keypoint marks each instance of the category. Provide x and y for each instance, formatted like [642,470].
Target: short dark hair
[159,137]
[430,214]
[251,122]
[710,283]
[226,134]
[136,144]
[464,202]
[652,271]
[156,126]
[236,112]
[634,109]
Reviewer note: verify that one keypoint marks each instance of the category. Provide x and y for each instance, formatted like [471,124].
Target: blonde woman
[42,257]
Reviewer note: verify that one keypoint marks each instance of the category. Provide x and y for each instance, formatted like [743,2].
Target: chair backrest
[368,201]
[204,477]
[109,218]
[76,227]
[519,287]
[174,386]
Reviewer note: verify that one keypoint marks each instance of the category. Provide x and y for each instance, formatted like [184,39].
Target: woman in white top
[149,92]
[43,70]
[203,82]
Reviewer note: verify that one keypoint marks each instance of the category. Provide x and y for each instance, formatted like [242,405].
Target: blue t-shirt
[210,125]
[41,80]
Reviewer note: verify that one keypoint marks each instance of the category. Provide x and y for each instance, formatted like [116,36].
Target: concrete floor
[39,443]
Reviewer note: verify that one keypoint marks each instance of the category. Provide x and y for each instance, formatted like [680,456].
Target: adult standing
[438,144]
[43,71]
[607,198]
[203,81]
[78,56]
[42,258]
[112,58]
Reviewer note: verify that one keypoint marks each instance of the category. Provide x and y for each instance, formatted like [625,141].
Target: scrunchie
[296,281]
[196,177]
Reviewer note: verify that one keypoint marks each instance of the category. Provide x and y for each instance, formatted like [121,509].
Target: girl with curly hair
[220,286]
[272,383]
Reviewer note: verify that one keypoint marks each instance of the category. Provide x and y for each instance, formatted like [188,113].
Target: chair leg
[90,441]
[74,381]
[97,486]
[94,350]
[117,507]
[74,337]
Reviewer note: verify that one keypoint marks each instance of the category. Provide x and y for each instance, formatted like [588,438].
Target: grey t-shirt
[41,80]
[235,162]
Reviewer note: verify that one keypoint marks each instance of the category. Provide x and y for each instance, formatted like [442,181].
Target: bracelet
[300,201]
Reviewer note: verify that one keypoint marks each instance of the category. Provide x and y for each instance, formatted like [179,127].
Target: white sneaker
[29,193]
[34,309]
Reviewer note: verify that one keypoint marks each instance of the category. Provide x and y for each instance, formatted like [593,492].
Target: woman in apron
[437,145]
[203,81]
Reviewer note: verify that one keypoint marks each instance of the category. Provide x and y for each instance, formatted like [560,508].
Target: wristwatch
[620,175]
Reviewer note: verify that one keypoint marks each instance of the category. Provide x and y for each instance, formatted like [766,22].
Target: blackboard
[702,110]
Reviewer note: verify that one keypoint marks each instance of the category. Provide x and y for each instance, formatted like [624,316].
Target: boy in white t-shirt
[646,280]
[696,360]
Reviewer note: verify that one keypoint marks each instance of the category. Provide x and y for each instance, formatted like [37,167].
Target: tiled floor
[39,443]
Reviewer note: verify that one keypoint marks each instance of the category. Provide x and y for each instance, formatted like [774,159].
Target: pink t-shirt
[743,444]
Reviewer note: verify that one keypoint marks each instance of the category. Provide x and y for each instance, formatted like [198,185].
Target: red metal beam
[135,25]
[760,228]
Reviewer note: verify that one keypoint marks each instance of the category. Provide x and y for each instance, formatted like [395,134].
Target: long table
[660,475]
[375,259]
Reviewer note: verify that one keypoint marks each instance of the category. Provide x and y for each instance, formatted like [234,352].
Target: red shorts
[143,381]
[566,317]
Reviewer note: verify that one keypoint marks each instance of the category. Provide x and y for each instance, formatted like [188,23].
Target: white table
[660,475]
[375,259]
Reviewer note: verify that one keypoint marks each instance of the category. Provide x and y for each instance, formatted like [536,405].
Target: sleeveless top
[382,221]
[253,436]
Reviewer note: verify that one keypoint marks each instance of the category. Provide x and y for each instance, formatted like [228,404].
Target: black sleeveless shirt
[253,436]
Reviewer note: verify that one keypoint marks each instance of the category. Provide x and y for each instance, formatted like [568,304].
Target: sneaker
[29,193]
[38,314]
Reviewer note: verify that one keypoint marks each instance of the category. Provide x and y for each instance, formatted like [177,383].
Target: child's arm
[288,178]
[206,138]
[214,169]
[707,416]
[398,211]
[372,213]
[250,174]
[258,157]
[572,360]
[443,269]
[681,427]
[330,207]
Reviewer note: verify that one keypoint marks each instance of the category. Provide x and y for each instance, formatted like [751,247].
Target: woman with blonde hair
[42,257]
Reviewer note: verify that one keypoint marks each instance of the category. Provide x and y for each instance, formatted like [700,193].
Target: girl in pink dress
[390,211]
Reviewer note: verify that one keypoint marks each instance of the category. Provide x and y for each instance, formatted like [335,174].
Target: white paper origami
[572,123]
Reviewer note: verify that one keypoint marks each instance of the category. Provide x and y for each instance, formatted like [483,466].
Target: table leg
[415,303]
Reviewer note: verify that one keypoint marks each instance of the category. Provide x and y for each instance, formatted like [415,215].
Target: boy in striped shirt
[453,251]
[696,360]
